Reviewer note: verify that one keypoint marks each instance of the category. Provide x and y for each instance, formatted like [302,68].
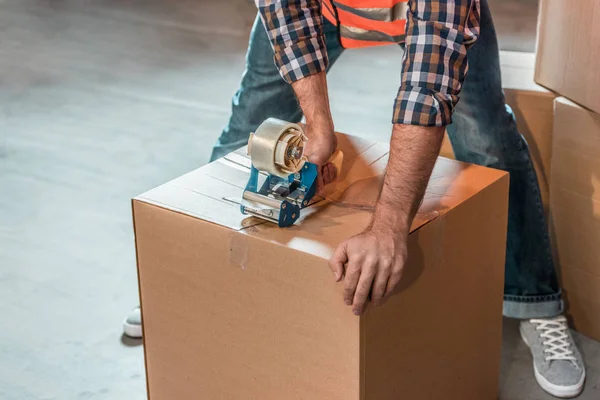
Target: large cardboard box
[575,211]
[533,108]
[568,50]
[237,308]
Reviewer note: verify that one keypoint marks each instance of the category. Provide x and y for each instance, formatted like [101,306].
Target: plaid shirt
[434,66]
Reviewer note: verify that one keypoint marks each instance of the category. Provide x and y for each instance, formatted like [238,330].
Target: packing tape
[269,144]
[238,250]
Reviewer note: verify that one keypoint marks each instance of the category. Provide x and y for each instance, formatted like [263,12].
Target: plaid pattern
[295,28]
[438,34]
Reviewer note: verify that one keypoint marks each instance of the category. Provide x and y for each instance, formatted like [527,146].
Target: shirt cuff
[302,59]
[423,107]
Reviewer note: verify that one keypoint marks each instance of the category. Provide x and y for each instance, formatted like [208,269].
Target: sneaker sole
[132,330]
[563,392]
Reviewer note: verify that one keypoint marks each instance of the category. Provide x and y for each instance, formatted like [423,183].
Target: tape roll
[277,147]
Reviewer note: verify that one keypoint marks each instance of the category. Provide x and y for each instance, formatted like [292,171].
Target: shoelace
[555,331]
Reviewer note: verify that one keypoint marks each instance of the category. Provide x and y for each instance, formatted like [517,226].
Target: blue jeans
[483,132]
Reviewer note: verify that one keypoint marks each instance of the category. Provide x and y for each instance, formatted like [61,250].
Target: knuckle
[351,245]
[369,268]
[376,295]
[353,273]
[387,261]
[364,286]
[360,296]
[386,267]
[393,283]
[349,290]
[371,259]
[401,257]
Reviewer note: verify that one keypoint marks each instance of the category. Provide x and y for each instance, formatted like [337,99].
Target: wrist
[321,125]
[313,99]
[395,229]
[390,221]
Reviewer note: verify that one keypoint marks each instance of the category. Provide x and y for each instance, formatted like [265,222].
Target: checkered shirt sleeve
[295,28]
[438,34]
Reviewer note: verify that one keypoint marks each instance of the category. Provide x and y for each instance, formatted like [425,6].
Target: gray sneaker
[557,363]
[132,325]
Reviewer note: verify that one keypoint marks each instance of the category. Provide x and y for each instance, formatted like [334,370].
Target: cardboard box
[237,308]
[533,108]
[575,211]
[568,50]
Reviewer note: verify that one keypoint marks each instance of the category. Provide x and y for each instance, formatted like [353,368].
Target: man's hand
[314,102]
[322,143]
[370,263]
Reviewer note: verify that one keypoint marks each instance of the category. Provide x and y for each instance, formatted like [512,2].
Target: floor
[103,99]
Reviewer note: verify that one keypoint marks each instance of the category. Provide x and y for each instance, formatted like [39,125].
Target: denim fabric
[483,132]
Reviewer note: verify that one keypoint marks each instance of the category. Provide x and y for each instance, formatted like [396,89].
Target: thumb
[329,173]
[338,260]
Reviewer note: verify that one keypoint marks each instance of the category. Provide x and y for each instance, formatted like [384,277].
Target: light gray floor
[101,100]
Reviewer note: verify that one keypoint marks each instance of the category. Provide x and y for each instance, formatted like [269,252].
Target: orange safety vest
[365,23]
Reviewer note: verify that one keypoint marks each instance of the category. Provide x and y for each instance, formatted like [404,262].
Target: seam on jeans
[533,299]
[538,203]
[532,176]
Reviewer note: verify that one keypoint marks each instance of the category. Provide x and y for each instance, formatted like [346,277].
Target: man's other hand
[370,263]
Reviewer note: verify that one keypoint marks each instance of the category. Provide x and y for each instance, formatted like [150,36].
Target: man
[298,40]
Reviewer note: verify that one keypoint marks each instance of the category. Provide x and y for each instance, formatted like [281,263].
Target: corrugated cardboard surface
[208,194]
[568,50]
[534,113]
[575,211]
[446,282]
[236,308]
[533,108]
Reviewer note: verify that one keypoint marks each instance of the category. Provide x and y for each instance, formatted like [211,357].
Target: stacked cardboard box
[575,211]
[533,106]
[237,308]
[568,61]
[568,50]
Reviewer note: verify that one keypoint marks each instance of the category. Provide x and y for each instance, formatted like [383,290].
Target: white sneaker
[132,325]
[557,363]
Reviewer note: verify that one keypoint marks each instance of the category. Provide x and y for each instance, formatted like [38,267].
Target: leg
[484,132]
[263,93]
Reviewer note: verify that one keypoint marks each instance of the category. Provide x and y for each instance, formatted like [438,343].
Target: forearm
[426,99]
[314,100]
[413,152]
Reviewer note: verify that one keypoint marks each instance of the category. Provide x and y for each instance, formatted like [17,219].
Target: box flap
[344,210]
[206,192]
[568,58]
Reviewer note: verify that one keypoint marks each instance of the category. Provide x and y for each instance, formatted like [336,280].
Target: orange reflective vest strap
[328,11]
[367,22]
